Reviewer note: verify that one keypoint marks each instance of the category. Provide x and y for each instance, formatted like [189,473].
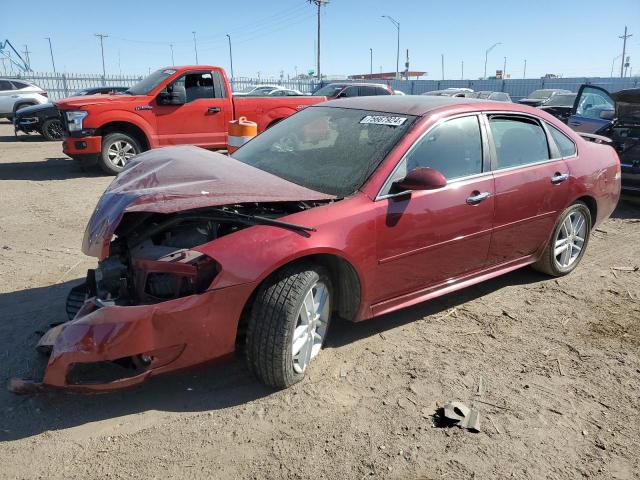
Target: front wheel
[52,129]
[288,324]
[568,242]
[117,150]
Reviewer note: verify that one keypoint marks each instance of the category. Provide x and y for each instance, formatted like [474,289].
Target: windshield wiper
[258,220]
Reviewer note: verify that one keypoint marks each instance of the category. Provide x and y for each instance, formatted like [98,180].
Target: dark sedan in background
[538,97]
[559,106]
[45,119]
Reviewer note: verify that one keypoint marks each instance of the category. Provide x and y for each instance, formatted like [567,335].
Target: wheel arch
[344,277]
[591,204]
[125,127]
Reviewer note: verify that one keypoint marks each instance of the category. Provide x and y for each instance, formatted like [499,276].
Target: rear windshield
[329,150]
[561,101]
[540,94]
[147,84]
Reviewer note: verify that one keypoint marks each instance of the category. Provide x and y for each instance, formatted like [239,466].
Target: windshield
[144,86]
[329,90]
[329,150]
[540,94]
[561,101]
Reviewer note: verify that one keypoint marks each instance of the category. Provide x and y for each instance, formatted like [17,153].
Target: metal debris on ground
[455,413]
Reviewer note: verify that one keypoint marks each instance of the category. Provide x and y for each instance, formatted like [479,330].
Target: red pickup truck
[175,105]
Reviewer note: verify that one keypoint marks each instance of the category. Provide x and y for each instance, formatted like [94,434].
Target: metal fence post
[65,87]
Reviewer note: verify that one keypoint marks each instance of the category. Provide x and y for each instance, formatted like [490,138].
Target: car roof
[420,104]
[357,84]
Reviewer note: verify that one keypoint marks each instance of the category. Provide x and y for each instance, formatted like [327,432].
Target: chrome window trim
[385,184]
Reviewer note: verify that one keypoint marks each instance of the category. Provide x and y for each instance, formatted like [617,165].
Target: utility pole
[442,61]
[486,56]
[624,49]
[230,56]
[462,70]
[397,25]
[371,61]
[172,61]
[195,46]
[524,72]
[613,62]
[102,37]
[504,69]
[318,3]
[51,52]
[26,56]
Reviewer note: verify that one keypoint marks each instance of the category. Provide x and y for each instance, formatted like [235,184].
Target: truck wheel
[52,129]
[117,150]
[288,324]
[568,242]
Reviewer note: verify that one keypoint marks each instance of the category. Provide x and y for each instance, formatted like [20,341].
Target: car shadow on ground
[53,168]
[23,138]
[26,314]
[628,208]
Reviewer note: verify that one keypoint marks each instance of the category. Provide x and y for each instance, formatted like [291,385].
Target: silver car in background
[17,94]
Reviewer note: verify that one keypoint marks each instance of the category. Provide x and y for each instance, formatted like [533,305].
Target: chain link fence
[63,85]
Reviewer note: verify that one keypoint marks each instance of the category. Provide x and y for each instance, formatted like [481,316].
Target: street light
[371,61]
[613,62]
[397,25]
[195,46]
[486,56]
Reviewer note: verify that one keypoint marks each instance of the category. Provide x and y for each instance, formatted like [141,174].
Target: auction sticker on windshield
[384,120]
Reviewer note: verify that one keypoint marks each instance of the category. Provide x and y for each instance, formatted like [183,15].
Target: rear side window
[382,91]
[565,145]
[19,85]
[350,92]
[518,141]
[5,85]
[454,148]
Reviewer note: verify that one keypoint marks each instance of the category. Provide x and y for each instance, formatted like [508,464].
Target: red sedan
[352,208]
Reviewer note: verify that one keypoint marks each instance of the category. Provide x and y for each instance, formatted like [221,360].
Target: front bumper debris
[112,347]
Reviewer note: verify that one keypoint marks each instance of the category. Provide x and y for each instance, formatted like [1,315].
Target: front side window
[454,148]
[565,145]
[329,150]
[518,141]
[593,102]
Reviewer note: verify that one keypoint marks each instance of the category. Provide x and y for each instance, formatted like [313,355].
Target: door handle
[213,109]
[559,178]
[477,198]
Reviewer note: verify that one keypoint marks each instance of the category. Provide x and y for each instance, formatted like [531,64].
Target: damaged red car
[348,209]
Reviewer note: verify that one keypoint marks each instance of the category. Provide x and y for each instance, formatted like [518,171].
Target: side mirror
[177,96]
[421,178]
[607,114]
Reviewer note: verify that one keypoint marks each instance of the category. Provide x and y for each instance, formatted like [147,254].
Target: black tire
[108,141]
[548,262]
[273,318]
[52,129]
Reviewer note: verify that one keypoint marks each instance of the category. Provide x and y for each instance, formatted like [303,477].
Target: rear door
[589,108]
[203,119]
[531,186]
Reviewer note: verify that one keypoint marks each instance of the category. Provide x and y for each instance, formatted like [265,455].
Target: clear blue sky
[568,37]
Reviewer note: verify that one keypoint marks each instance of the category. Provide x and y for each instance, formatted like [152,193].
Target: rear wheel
[117,150]
[568,242]
[52,129]
[288,324]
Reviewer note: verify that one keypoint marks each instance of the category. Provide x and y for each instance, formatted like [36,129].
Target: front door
[202,120]
[593,108]
[432,236]
[531,186]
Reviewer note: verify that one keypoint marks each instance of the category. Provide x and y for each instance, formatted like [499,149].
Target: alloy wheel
[570,239]
[120,152]
[311,326]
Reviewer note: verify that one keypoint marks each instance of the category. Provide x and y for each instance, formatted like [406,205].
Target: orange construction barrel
[240,132]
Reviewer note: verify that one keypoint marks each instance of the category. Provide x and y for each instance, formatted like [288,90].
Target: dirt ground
[553,366]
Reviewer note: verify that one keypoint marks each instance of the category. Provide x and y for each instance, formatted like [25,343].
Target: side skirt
[449,286]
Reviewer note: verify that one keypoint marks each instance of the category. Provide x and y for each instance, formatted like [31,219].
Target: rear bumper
[170,336]
[76,146]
